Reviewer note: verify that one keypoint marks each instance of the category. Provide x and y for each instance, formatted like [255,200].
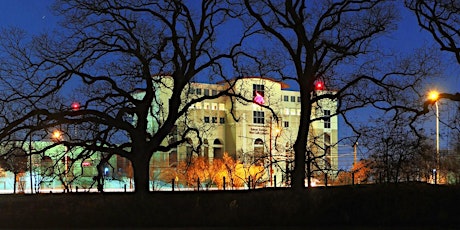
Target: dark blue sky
[34,16]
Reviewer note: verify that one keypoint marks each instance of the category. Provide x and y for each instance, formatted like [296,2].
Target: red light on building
[319,85]
[75,106]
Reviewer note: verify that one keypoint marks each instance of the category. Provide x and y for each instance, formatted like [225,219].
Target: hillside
[384,206]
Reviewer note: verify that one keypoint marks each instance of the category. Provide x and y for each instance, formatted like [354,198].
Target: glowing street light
[56,135]
[434,96]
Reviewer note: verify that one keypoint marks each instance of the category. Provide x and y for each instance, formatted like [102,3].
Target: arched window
[217,147]
[327,149]
[189,149]
[258,150]
[173,158]
[206,149]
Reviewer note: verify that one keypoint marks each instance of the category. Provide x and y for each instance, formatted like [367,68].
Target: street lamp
[434,96]
[58,136]
[277,132]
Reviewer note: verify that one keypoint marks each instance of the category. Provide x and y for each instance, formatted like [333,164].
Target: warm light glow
[57,135]
[433,95]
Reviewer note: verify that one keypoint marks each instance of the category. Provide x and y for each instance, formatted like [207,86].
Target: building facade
[249,132]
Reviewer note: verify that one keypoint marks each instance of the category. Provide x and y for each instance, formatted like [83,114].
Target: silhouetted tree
[14,160]
[335,42]
[442,20]
[116,56]
[396,152]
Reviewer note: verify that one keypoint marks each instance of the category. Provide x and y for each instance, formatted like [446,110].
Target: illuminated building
[255,137]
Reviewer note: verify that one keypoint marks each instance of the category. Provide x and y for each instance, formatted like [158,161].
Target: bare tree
[334,42]
[14,159]
[442,20]
[116,57]
[397,152]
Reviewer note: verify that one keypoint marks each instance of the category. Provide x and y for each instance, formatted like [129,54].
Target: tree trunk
[141,175]
[298,174]
[15,183]
[300,145]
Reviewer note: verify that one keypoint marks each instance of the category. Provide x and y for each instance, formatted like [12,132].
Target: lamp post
[434,96]
[277,131]
[57,136]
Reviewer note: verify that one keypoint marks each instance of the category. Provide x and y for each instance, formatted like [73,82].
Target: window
[327,119]
[260,89]
[214,106]
[191,90]
[206,92]
[214,92]
[286,111]
[221,106]
[258,117]
[258,151]
[206,119]
[222,120]
[173,158]
[198,91]
[292,98]
[298,98]
[286,98]
[286,124]
[214,119]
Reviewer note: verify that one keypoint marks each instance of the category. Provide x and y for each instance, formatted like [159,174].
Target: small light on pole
[319,85]
[75,106]
[57,135]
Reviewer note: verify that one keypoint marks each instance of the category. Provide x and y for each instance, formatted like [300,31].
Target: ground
[382,206]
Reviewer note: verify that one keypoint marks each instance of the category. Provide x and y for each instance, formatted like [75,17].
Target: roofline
[283,84]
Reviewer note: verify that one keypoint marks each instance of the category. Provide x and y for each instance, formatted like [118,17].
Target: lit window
[221,106]
[258,117]
[286,111]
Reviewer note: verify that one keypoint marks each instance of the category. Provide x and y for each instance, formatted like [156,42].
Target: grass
[385,206]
